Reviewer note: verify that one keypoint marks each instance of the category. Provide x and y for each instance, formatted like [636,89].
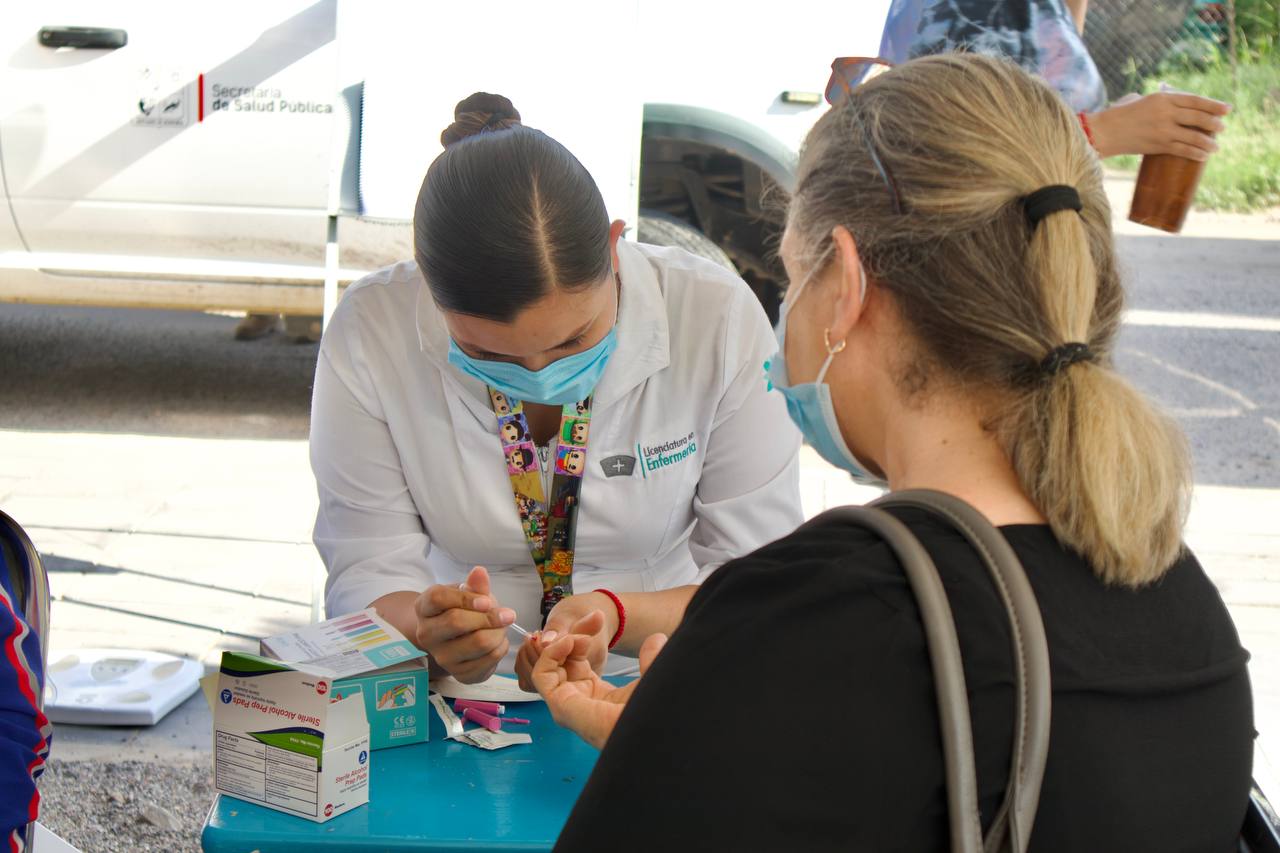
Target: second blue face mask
[567,380]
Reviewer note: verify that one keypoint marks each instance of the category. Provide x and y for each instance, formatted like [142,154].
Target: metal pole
[330,302]
[330,296]
[317,594]
[331,269]
[1232,45]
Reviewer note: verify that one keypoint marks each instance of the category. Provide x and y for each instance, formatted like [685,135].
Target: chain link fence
[1131,40]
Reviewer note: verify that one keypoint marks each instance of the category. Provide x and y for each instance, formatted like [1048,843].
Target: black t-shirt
[794,708]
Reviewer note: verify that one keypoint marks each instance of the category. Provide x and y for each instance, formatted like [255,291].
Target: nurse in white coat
[585,418]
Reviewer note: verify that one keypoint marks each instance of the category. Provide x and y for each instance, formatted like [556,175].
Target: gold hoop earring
[832,350]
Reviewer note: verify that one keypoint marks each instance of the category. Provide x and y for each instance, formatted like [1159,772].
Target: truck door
[170,131]
[569,67]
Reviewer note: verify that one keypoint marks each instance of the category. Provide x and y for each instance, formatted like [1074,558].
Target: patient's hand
[576,614]
[579,699]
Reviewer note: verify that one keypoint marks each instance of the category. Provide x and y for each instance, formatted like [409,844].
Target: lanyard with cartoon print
[550,527]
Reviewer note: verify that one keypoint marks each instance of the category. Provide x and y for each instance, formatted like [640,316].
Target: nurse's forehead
[558,317]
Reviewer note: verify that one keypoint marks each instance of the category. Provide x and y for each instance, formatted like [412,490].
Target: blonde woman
[956,299]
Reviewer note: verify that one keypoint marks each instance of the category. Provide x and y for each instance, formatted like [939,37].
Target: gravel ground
[126,806]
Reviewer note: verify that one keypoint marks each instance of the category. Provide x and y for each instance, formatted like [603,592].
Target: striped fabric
[25,732]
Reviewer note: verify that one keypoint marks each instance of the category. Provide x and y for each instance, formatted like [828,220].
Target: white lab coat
[414,489]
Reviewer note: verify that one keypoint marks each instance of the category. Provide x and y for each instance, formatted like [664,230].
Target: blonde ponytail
[1109,473]
[989,296]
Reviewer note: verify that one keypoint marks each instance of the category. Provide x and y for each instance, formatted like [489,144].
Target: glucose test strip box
[279,741]
[347,645]
[395,701]
[370,658]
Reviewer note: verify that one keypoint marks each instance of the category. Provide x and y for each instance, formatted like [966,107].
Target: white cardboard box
[279,742]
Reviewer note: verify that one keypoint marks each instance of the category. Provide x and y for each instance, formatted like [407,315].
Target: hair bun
[479,113]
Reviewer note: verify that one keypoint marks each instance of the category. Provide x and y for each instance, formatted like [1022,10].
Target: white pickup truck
[236,155]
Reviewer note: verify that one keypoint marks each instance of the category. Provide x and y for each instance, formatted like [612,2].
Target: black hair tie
[1062,357]
[1050,199]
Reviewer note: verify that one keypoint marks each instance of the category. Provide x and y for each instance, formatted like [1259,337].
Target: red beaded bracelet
[622,616]
[1088,131]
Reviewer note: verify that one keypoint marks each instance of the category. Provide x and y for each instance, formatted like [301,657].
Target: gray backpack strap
[1011,828]
[948,671]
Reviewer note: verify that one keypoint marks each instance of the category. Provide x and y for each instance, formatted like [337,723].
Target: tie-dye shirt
[1039,35]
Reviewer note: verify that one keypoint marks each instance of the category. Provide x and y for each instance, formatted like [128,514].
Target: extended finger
[578,662]
[581,646]
[1207,122]
[528,655]
[1202,142]
[525,659]
[1182,149]
[440,598]
[477,580]
[457,623]
[1197,139]
[591,624]
[554,654]
[1202,104]
[548,671]
[649,649]
[559,621]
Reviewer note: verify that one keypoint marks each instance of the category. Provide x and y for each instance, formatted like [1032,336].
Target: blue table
[438,796]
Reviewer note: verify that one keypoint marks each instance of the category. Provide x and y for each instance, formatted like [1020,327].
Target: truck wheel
[302,330]
[663,229]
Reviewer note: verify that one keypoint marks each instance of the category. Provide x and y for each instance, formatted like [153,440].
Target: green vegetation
[1245,173]
[1258,26]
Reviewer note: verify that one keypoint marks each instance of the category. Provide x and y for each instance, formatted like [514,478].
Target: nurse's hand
[579,699]
[464,630]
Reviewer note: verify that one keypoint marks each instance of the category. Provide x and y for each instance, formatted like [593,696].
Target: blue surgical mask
[566,380]
[809,404]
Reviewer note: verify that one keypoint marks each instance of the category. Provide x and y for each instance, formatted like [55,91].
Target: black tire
[663,229]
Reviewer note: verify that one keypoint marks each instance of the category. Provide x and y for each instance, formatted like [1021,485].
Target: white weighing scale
[117,687]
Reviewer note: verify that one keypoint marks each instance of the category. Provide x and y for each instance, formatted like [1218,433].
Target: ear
[615,234]
[849,284]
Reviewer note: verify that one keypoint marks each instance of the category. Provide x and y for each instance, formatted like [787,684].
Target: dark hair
[505,214]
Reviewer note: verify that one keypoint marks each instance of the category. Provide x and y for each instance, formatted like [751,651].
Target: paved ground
[162,467]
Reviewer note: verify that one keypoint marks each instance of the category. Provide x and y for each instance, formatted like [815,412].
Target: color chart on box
[348,645]
[359,631]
